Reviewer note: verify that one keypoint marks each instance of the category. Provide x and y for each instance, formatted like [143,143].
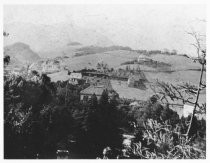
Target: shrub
[168,142]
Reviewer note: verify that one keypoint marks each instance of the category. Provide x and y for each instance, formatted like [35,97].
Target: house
[75,75]
[88,92]
[97,90]
[137,81]
[51,66]
[143,58]
[75,78]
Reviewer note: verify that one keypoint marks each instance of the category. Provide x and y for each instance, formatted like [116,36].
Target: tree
[186,92]
[126,68]
[104,99]
[138,69]
[174,52]
[153,109]
[165,51]
[93,102]
[201,53]
[6,60]
[24,130]
[5,34]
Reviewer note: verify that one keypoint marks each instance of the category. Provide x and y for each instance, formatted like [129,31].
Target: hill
[183,69]
[178,62]
[116,59]
[112,58]
[20,53]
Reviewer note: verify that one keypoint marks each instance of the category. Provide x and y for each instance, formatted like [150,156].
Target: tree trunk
[196,100]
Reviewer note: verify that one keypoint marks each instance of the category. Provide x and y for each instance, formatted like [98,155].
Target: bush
[154,110]
[168,142]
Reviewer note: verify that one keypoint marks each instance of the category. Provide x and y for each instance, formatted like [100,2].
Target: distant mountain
[74,44]
[21,53]
[44,38]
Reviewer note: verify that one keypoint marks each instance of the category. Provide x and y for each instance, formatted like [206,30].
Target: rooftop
[137,77]
[97,90]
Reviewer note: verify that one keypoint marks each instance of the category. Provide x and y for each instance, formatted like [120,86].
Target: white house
[143,58]
[74,78]
[75,75]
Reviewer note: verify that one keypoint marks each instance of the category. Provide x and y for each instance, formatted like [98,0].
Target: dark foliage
[6,60]
[41,117]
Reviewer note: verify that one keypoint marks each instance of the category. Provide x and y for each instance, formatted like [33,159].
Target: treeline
[97,49]
[149,63]
[150,52]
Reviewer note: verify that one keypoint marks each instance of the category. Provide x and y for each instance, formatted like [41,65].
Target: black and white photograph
[104,81]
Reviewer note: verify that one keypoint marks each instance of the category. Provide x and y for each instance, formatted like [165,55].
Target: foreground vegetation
[41,117]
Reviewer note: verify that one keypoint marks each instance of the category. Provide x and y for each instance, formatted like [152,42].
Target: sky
[138,26]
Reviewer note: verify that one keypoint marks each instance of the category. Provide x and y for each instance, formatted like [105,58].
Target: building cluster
[98,82]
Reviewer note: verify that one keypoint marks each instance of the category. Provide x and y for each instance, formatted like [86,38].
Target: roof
[97,90]
[106,83]
[95,73]
[59,76]
[99,81]
[137,77]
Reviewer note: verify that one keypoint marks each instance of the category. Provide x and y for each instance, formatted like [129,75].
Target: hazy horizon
[137,26]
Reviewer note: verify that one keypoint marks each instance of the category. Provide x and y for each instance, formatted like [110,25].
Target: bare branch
[183,93]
